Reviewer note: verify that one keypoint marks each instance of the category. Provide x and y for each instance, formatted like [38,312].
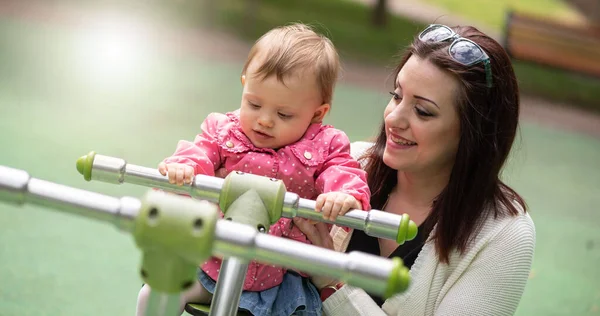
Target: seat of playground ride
[202,310]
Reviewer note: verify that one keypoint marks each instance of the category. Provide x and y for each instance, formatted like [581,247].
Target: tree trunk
[380,13]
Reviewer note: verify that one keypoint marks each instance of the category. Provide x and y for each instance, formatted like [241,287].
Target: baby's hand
[178,173]
[334,204]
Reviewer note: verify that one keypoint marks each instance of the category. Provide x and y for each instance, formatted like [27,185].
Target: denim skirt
[294,296]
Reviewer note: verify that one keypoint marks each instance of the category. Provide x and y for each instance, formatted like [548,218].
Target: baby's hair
[294,48]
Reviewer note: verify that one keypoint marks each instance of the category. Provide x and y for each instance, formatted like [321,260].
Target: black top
[408,251]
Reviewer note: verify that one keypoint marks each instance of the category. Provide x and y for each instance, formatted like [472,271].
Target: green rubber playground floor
[58,103]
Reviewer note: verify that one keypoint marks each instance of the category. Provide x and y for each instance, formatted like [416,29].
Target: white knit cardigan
[488,279]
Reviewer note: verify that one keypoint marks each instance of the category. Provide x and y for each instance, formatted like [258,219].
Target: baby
[288,82]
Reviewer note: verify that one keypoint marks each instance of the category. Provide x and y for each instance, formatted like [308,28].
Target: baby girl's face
[275,114]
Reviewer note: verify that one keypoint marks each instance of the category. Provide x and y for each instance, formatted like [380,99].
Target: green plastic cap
[407,230]
[399,278]
[411,231]
[84,165]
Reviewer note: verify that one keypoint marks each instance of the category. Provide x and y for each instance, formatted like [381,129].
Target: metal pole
[115,170]
[375,274]
[230,284]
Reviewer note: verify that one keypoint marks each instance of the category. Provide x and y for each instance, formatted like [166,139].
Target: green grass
[492,12]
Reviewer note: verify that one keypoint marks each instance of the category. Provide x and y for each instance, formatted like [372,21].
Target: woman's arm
[351,301]
[348,300]
[494,281]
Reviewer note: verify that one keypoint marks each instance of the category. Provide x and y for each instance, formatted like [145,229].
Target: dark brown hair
[488,125]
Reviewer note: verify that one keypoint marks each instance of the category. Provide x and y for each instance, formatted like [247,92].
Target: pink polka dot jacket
[319,162]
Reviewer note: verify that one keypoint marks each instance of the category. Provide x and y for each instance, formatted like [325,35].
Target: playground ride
[176,234]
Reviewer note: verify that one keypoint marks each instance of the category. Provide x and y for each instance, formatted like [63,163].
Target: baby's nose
[265,121]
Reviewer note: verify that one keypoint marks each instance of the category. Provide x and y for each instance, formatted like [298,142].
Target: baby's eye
[284,116]
[256,106]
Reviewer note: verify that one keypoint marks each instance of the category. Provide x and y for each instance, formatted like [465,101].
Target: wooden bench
[554,44]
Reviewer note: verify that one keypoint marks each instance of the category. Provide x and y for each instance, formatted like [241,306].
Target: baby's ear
[320,113]
[243,80]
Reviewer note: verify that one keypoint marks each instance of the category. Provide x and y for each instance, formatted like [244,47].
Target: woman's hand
[318,235]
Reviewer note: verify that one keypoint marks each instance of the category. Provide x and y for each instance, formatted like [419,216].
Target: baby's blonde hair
[297,47]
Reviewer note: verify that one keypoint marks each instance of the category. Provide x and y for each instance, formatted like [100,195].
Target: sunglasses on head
[462,50]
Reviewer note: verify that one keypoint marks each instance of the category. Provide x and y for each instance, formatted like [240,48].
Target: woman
[447,132]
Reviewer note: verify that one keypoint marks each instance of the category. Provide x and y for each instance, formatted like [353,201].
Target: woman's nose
[398,116]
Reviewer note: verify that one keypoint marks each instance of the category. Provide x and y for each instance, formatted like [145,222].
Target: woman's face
[421,121]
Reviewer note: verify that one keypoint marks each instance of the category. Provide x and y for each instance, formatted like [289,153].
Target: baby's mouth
[262,134]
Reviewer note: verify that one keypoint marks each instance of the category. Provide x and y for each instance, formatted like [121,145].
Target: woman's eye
[421,112]
[395,95]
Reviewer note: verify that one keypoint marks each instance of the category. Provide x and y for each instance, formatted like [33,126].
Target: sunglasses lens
[435,34]
[466,52]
